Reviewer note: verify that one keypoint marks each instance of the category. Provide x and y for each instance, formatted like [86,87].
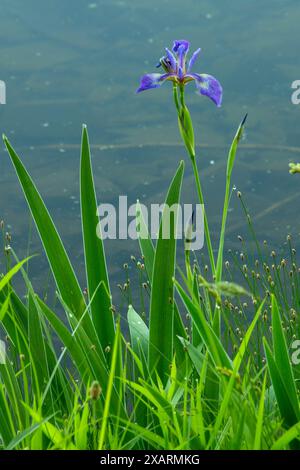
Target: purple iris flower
[178,70]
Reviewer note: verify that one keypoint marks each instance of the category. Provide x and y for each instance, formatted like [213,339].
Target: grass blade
[145,242]
[95,263]
[212,342]
[230,163]
[162,292]
[8,276]
[110,387]
[148,253]
[281,356]
[139,333]
[285,404]
[61,267]
[260,417]
[287,437]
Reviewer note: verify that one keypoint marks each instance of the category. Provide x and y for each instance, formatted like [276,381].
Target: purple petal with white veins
[181,48]
[193,59]
[181,57]
[180,73]
[152,80]
[181,43]
[209,86]
[172,60]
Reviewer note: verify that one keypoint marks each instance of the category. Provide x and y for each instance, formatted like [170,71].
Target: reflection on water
[69,62]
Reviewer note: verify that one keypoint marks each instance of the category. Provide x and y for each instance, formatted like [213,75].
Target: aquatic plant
[180,73]
[207,370]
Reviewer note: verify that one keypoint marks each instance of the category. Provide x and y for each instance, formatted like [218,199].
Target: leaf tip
[244,120]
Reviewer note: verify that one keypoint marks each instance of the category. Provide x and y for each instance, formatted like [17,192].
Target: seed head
[95,391]
[7,249]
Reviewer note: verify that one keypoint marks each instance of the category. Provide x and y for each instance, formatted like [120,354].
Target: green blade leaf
[230,164]
[148,253]
[209,337]
[4,308]
[61,267]
[145,242]
[260,417]
[162,292]
[281,356]
[89,360]
[139,333]
[244,345]
[284,401]
[95,263]
[7,424]
[36,341]
[8,276]
[287,438]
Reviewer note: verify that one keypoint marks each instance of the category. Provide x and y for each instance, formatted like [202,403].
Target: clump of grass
[205,363]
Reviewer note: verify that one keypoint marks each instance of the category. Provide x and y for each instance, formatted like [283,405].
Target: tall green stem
[230,164]
[175,96]
[182,116]
[206,228]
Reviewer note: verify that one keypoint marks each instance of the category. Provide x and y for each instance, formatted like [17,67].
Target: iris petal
[181,48]
[193,59]
[181,43]
[172,60]
[180,73]
[152,80]
[209,86]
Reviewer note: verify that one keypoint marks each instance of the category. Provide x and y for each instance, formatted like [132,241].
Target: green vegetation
[209,368]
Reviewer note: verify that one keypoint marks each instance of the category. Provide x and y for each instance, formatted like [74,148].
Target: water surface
[71,62]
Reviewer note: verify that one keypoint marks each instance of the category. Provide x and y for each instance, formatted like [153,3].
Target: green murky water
[71,62]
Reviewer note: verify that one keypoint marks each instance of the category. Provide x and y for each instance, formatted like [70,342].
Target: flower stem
[182,96]
[175,95]
[206,228]
[180,106]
